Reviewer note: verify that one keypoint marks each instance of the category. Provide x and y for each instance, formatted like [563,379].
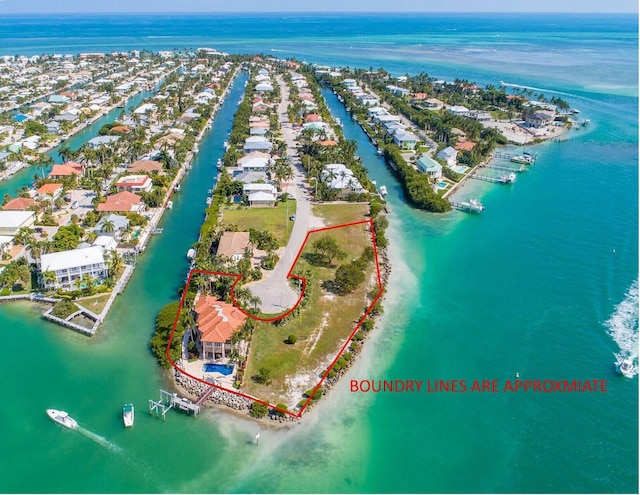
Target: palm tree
[115,264]
[108,226]
[49,279]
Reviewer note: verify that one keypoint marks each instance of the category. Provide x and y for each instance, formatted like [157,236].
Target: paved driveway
[275,290]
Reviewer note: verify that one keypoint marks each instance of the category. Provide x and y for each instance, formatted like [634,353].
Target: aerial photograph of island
[342,247]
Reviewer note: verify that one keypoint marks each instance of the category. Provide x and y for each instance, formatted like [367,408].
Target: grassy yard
[94,304]
[273,220]
[338,214]
[322,326]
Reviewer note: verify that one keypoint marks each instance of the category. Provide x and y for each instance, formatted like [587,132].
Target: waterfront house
[429,166]
[53,127]
[340,178]
[449,155]
[20,204]
[255,162]
[465,145]
[134,183]
[118,222]
[538,119]
[257,143]
[233,245]
[66,170]
[260,195]
[404,139]
[106,242]
[250,177]
[12,221]
[122,202]
[147,166]
[264,86]
[217,321]
[70,266]
[102,141]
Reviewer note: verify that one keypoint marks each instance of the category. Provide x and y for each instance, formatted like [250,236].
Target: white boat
[525,159]
[475,205]
[219,164]
[176,188]
[383,191]
[128,415]
[209,201]
[226,145]
[62,418]
[191,253]
[380,151]
[169,205]
[508,178]
[625,368]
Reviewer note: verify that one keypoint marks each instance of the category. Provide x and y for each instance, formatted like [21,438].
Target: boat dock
[504,179]
[471,206]
[169,401]
[505,168]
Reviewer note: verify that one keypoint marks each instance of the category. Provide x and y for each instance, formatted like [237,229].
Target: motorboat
[209,201]
[62,418]
[169,205]
[475,205]
[525,159]
[219,164]
[191,253]
[625,368]
[383,191]
[128,415]
[176,188]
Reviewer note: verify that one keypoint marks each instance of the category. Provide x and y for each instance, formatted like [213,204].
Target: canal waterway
[25,176]
[47,366]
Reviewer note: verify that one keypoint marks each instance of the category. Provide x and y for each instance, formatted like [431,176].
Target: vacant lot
[274,220]
[323,325]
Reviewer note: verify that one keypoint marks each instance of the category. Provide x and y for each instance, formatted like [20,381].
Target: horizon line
[364,12]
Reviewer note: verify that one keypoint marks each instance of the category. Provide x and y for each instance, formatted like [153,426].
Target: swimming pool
[442,185]
[223,369]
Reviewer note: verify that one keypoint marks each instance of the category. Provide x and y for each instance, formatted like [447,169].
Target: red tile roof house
[124,201]
[146,166]
[217,322]
[19,204]
[134,183]
[49,191]
[66,170]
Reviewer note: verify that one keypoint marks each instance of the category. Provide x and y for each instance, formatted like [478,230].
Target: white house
[260,195]
[12,221]
[257,143]
[449,155]
[134,183]
[340,178]
[69,266]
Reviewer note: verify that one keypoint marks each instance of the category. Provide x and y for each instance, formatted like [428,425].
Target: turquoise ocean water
[543,283]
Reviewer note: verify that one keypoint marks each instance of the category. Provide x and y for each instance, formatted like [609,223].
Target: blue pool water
[442,185]
[217,368]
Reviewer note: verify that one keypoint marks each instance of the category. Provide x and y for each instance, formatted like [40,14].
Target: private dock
[169,401]
[471,206]
[503,179]
[505,168]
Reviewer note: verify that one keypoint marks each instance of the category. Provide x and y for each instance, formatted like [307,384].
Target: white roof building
[72,265]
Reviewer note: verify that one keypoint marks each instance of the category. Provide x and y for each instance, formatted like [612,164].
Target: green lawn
[94,304]
[274,220]
[339,214]
[321,328]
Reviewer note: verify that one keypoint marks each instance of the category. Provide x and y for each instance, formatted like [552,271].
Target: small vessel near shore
[62,418]
[169,205]
[508,178]
[525,159]
[625,368]
[219,164]
[177,188]
[383,191]
[128,415]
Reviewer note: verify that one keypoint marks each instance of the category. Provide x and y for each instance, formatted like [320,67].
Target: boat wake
[623,327]
[100,440]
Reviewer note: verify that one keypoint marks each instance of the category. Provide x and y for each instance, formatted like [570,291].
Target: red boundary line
[279,317]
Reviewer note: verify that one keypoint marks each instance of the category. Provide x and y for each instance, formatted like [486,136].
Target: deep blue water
[543,283]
